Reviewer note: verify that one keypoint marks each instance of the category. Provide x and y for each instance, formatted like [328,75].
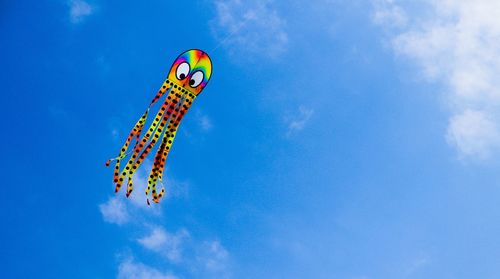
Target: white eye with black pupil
[196,79]
[182,71]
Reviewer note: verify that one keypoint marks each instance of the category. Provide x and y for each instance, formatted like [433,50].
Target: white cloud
[206,259]
[129,269]
[388,14]
[214,257]
[115,211]
[457,43]
[202,259]
[176,188]
[474,133]
[250,26]
[78,10]
[299,121]
[167,244]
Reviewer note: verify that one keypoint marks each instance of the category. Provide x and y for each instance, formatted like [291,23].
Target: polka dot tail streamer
[188,75]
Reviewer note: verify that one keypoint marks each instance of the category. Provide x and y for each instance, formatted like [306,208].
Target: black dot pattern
[162,153]
[163,129]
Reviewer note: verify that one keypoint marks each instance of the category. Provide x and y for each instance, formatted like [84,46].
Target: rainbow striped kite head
[191,70]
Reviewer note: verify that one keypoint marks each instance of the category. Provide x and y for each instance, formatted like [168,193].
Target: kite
[188,75]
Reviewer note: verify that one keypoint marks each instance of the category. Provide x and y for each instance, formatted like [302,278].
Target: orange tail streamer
[162,153]
[135,162]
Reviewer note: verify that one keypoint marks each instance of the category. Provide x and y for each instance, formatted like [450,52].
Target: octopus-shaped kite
[188,76]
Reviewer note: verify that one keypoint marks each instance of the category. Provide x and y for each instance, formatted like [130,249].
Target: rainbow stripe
[198,60]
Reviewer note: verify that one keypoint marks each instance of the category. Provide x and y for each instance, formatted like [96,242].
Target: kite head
[191,70]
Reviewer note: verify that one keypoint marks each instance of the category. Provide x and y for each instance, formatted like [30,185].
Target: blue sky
[336,139]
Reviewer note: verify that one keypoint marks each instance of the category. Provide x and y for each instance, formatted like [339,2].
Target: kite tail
[136,131]
[156,164]
[172,99]
[166,86]
[141,144]
[162,153]
[153,175]
[123,151]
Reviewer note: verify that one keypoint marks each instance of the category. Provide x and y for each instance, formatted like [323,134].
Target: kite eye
[182,71]
[196,79]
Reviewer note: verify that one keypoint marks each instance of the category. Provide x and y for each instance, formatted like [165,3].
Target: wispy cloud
[250,26]
[130,269]
[456,43]
[214,257]
[114,211]
[175,188]
[168,244]
[298,121]
[202,256]
[388,14]
[474,133]
[416,264]
[78,10]
[205,123]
